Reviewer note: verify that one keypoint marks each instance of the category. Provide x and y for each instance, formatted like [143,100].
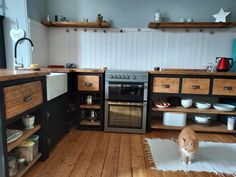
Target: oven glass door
[126,92]
[125,115]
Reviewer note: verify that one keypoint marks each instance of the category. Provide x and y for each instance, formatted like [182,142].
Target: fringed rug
[219,158]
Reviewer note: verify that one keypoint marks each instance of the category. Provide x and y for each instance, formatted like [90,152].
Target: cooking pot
[224,64]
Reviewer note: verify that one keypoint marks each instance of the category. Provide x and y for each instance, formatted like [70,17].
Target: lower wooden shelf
[26,134]
[23,171]
[88,123]
[90,106]
[214,127]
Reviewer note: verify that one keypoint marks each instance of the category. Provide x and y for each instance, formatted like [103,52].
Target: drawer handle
[166,85]
[88,84]
[228,88]
[28,98]
[196,87]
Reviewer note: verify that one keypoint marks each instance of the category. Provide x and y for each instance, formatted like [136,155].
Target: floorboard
[101,154]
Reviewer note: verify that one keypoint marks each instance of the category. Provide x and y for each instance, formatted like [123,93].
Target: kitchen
[86,119]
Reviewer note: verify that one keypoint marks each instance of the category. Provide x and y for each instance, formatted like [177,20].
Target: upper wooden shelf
[78,24]
[192,25]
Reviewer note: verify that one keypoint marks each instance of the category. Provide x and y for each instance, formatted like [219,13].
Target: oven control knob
[119,76]
[134,77]
[123,77]
[115,77]
[127,77]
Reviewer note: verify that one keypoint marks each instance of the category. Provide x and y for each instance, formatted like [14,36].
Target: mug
[89,99]
[28,121]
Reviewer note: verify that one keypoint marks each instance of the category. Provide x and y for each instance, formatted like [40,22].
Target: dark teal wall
[37,9]
[137,13]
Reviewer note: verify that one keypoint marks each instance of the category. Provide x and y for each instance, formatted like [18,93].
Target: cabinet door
[165,85]
[196,86]
[57,124]
[88,83]
[224,87]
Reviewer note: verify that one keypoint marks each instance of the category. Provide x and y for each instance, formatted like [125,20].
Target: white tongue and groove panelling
[143,50]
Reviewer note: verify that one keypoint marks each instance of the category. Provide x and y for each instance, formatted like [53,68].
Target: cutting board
[233,69]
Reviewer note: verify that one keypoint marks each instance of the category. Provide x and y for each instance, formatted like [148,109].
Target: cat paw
[189,162]
[184,163]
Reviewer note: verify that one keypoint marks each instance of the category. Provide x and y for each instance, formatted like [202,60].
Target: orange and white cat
[188,145]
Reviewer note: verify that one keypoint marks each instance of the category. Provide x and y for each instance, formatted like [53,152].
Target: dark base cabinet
[57,116]
[90,101]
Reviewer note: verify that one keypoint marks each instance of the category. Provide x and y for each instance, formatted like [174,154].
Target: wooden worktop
[68,70]
[10,74]
[192,72]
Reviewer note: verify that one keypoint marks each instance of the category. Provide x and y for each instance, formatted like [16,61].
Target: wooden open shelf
[214,127]
[193,110]
[26,134]
[23,171]
[78,24]
[90,106]
[192,25]
[85,122]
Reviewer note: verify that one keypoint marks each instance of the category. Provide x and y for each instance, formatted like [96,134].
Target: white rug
[212,157]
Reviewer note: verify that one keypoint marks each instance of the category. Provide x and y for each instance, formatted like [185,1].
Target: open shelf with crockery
[212,88]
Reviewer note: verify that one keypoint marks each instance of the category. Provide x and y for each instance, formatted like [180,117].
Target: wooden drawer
[224,87]
[165,85]
[196,86]
[20,98]
[88,83]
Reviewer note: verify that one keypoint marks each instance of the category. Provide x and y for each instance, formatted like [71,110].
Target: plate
[224,107]
[159,105]
[13,135]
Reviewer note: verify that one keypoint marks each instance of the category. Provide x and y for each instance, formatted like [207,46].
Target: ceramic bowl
[186,103]
[224,107]
[28,122]
[202,105]
[202,119]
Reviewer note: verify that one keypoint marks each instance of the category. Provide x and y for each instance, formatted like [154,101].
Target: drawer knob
[27,98]
[228,88]
[88,84]
[166,86]
[196,86]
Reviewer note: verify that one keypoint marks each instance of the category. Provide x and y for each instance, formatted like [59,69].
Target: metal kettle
[223,64]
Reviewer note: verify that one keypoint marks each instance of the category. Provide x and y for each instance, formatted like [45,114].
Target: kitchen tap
[21,65]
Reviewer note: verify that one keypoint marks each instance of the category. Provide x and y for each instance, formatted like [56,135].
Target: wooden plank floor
[101,154]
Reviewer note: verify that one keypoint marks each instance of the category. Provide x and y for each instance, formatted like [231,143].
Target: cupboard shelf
[193,110]
[92,106]
[23,171]
[86,122]
[155,25]
[26,134]
[214,127]
[78,24]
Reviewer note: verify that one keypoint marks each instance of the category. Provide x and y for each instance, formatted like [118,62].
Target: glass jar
[12,166]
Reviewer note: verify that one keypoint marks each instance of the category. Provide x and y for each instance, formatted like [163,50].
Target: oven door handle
[125,104]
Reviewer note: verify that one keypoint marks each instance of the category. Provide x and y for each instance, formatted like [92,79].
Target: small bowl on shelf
[161,104]
[224,107]
[186,103]
[201,119]
[202,105]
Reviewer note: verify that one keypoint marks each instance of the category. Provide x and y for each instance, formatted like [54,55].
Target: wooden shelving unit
[26,134]
[214,127]
[92,106]
[155,25]
[193,110]
[23,171]
[78,24]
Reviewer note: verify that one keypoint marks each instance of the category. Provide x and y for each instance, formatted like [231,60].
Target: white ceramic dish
[187,103]
[202,105]
[224,107]
[159,105]
[202,119]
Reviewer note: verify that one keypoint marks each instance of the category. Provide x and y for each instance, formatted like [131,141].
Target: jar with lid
[22,163]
